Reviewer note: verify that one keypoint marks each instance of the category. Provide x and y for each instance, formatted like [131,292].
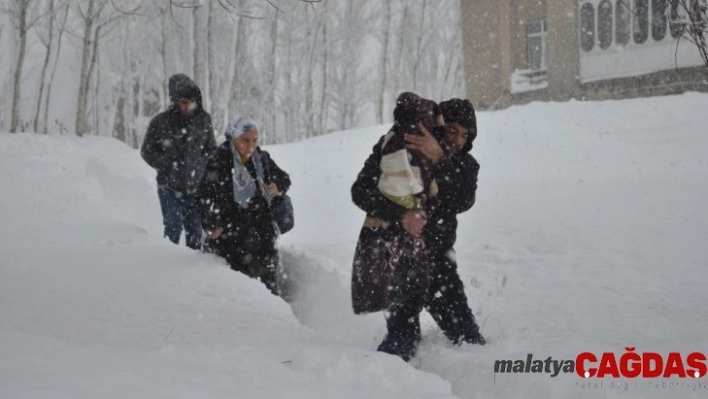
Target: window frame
[542,34]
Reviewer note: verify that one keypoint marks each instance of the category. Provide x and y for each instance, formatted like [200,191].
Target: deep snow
[588,235]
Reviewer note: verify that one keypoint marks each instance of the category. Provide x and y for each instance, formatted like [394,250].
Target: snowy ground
[588,235]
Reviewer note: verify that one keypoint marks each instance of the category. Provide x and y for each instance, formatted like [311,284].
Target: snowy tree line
[302,68]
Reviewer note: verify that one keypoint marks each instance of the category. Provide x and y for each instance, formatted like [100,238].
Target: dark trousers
[411,284]
[445,300]
[178,213]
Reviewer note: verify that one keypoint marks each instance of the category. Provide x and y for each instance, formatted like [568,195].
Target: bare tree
[62,28]
[240,50]
[95,19]
[300,68]
[47,42]
[89,17]
[692,17]
[199,28]
[211,60]
[324,108]
[23,16]
[272,73]
[384,66]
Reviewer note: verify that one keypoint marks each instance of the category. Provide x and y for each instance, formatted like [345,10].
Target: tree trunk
[97,90]
[120,124]
[54,70]
[45,65]
[288,90]
[92,64]
[199,50]
[271,77]
[234,95]
[419,45]
[325,61]
[384,65]
[22,23]
[211,64]
[402,31]
[85,76]
[310,89]
[163,56]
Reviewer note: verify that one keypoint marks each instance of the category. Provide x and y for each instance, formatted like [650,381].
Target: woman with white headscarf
[235,201]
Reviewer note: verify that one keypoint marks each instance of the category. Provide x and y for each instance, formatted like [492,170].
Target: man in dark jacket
[178,143]
[455,171]
[456,174]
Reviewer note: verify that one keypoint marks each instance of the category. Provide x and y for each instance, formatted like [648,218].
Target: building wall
[563,52]
[487,48]
[494,42]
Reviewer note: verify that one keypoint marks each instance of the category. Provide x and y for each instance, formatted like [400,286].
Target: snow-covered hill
[588,235]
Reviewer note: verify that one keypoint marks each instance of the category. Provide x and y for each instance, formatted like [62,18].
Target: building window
[676,22]
[623,21]
[610,25]
[604,24]
[641,21]
[587,27]
[536,34]
[658,19]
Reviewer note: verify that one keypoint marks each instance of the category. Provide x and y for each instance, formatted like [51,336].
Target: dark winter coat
[177,147]
[249,235]
[457,180]
[456,177]
[390,267]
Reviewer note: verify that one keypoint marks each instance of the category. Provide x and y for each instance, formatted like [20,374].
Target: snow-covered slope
[588,235]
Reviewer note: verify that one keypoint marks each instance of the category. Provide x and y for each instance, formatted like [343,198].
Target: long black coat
[456,177]
[248,240]
[177,147]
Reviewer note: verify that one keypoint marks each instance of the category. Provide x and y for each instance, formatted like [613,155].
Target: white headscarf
[245,186]
[238,126]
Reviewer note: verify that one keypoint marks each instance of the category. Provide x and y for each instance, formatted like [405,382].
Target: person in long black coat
[235,201]
[178,143]
[455,171]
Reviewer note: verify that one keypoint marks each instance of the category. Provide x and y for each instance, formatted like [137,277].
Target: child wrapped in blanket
[407,179]
[406,174]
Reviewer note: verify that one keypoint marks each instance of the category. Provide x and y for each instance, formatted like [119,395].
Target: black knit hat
[412,109]
[461,111]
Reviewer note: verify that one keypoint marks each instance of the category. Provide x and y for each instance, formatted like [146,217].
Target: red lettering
[697,361]
[647,370]
[608,365]
[631,364]
[674,365]
[580,365]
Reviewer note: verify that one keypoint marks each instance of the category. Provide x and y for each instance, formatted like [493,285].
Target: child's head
[411,109]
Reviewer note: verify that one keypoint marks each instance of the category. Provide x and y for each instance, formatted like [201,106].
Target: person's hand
[272,189]
[425,143]
[216,233]
[413,222]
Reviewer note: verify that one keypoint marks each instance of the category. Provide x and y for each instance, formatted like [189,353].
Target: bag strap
[260,177]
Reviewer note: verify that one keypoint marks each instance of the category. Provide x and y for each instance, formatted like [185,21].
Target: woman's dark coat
[248,241]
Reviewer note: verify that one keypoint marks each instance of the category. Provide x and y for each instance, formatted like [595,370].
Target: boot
[397,345]
[471,336]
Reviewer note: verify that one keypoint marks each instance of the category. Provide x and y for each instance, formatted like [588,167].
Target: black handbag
[283,213]
[282,205]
